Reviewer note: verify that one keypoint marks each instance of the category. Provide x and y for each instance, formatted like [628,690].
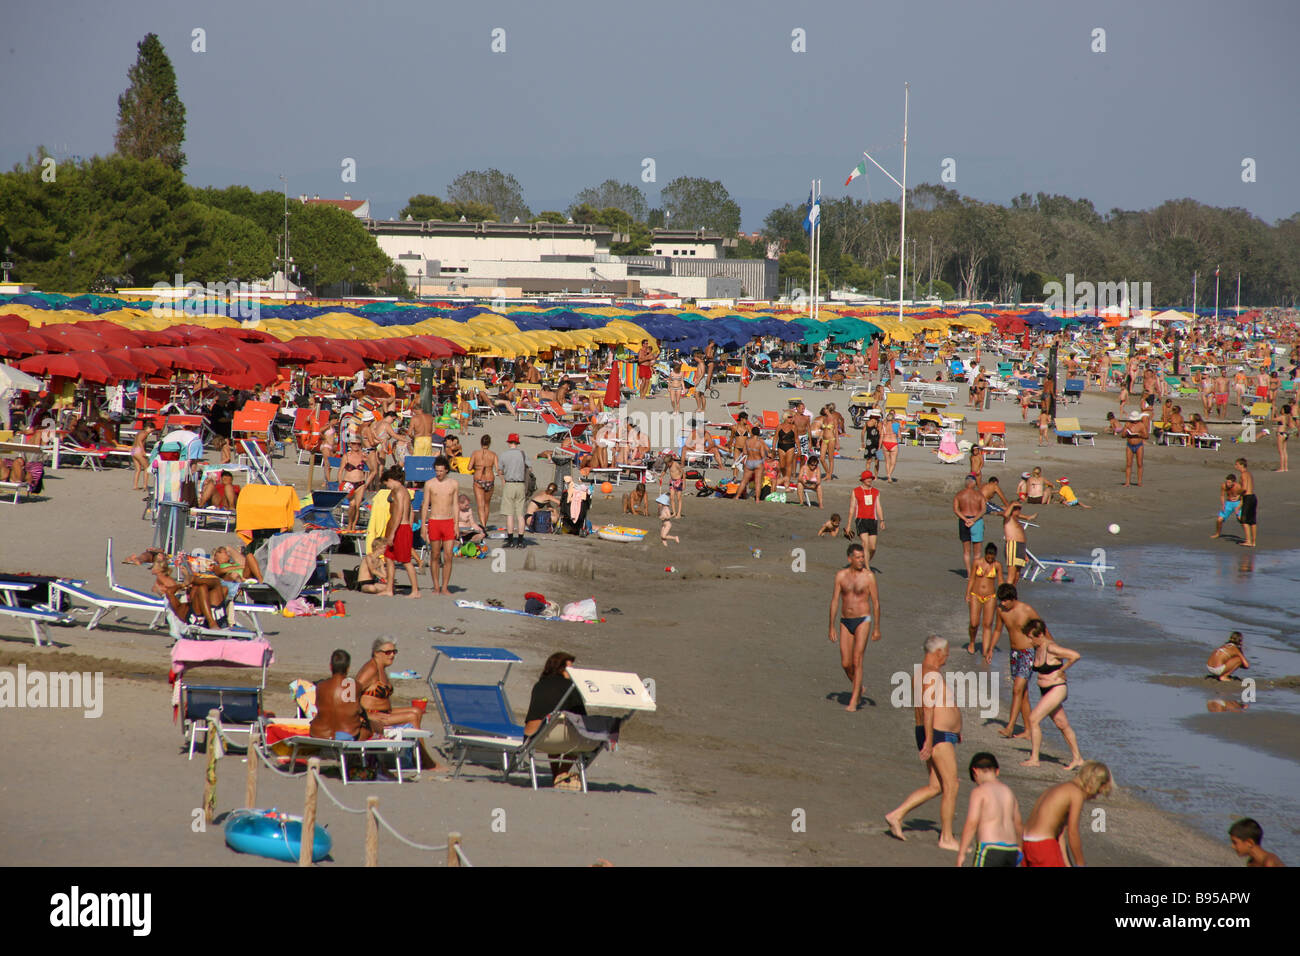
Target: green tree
[424,207]
[220,246]
[266,208]
[150,114]
[337,243]
[624,196]
[701,204]
[492,188]
[785,224]
[550,215]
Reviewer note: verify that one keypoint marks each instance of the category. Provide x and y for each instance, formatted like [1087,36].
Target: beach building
[451,258]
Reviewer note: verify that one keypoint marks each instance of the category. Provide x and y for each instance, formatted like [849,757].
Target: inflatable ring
[272,834]
[616,533]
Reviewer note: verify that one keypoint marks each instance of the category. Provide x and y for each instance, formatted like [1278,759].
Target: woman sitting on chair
[376,689]
[550,689]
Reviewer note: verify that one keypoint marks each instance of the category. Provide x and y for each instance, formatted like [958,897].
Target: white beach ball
[1113,529]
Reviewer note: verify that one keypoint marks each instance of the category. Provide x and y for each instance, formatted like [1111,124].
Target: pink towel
[245,653]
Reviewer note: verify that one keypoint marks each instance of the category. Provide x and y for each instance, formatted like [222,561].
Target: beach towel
[289,560]
[264,506]
[379,514]
[304,695]
[481,606]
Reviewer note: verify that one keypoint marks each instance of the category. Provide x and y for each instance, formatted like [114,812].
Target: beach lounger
[1073,390]
[1206,441]
[258,464]
[37,617]
[103,605]
[1068,432]
[208,519]
[239,709]
[1039,565]
[295,750]
[13,491]
[992,452]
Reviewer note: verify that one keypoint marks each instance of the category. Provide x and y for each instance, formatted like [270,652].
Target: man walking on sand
[993,816]
[1015,615]
[969,505]
[854,591]
[866,512]
[1249,505]
[938,731]
[438,521]
[398,533]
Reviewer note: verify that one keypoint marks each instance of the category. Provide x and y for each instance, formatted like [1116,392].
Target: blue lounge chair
[239,709]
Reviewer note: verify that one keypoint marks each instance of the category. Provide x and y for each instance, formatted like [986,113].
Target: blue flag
[814,213]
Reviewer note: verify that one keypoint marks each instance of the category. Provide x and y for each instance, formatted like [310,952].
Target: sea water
[1157,736]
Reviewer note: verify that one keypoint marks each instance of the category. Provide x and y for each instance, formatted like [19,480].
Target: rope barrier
[417,846]
[456,855]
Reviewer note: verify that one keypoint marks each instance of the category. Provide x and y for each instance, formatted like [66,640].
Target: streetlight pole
[285,180]
[930,294]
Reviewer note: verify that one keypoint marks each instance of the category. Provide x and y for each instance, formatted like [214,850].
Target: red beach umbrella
[82,365]
[17,344]
[613,389]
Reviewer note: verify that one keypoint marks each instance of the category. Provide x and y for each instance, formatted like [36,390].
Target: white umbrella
[14,380]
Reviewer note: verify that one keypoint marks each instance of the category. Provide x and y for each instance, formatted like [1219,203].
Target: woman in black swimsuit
[1050,664]
[787,443]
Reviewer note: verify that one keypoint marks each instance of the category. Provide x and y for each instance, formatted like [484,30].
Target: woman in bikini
[140,457]
[892,436]
[981,588]
[676,387]
[1135,435]
[1051,661]
[787,445]
[809,478]
[1284,425]
[1206,386]
[830,444]
[376,689]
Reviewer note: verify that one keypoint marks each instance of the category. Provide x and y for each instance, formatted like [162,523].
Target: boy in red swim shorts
[398,531]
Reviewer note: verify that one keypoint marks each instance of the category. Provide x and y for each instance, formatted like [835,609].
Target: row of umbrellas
[241,358]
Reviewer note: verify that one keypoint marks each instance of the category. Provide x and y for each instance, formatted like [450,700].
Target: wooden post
[372,832]
[453,841]
[213,744]
[308,841]
[250,784]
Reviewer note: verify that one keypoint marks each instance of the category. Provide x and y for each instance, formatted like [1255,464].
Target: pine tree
[150,114]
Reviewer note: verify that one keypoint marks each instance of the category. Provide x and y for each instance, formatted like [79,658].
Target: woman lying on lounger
[202,602]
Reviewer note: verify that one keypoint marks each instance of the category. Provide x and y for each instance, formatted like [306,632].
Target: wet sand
[751,726]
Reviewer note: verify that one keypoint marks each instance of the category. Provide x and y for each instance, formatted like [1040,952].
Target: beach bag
[530,482]
[542,522]
[584,610]
[35,477]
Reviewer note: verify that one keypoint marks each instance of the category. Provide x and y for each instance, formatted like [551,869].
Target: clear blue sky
[411,90]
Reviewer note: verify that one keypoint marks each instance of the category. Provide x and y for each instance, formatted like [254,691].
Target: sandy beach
[750,738]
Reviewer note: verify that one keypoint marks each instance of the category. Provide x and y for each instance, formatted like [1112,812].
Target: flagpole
[1216,298]
[817,278]
[812,184]
[902,225]
[1194,297]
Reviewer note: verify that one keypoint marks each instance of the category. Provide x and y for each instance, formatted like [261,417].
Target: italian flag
[858,170]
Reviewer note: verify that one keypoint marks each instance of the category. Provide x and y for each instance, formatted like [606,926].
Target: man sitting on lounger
[339,715]
[219,492]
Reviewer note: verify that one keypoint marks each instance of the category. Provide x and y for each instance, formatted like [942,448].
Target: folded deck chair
[37,618]
[103,604]
[1039,565]
[238,708]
